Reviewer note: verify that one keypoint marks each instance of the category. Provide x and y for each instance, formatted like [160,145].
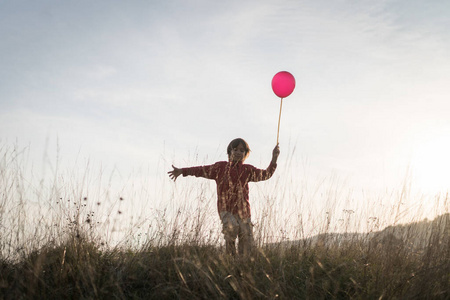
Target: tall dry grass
[70,239]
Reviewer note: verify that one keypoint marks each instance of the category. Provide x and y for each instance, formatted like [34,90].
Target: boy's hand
[275,153]
[174,173]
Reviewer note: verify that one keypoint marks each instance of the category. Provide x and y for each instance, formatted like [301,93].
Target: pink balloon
[283,84]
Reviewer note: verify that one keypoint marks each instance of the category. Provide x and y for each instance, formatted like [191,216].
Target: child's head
[238,150]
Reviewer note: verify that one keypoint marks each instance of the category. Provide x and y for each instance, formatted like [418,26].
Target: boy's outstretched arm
[275,154]
[174,173]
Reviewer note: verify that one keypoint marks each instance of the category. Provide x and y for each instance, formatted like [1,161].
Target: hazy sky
[144,84]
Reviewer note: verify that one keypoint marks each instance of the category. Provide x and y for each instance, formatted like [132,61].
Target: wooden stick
[279,118]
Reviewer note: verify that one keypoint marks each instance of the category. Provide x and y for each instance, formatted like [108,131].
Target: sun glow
[431,165]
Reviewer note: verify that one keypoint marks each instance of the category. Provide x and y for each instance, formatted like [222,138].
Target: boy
[232,180]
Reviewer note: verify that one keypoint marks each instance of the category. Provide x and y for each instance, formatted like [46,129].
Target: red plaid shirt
[232,183]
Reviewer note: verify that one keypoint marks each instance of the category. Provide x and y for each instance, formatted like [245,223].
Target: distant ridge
[414,236]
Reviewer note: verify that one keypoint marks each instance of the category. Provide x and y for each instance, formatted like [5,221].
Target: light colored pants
[236,227]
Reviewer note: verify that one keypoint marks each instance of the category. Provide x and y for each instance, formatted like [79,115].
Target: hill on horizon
[415,236]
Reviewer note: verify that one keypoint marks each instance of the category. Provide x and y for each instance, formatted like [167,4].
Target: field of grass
[386,268]
[68,253]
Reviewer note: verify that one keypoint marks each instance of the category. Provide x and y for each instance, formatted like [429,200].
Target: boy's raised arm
[259,174]
[275,154]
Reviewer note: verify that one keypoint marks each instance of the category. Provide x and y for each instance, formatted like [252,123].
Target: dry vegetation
[68,256]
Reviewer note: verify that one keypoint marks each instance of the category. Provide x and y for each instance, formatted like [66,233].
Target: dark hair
[235,143]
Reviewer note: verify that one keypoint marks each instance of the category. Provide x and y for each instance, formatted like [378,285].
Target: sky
[133,87]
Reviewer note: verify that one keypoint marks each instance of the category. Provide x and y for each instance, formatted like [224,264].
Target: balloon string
[279,119]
